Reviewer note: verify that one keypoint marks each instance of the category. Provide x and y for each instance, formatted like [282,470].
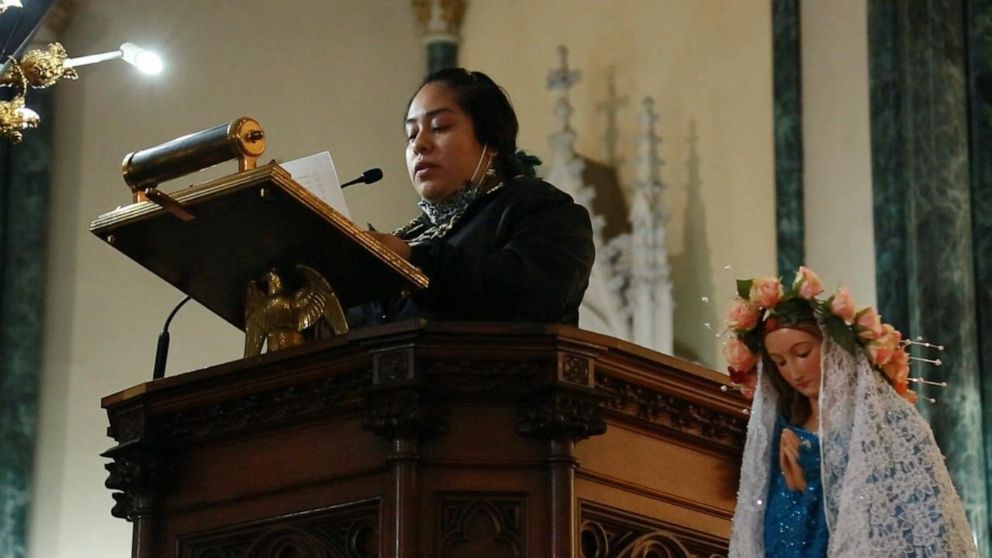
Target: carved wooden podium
[431,440]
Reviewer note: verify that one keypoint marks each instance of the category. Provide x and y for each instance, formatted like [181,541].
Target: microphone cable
[162,352]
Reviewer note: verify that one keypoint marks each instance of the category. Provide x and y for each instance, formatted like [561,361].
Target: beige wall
[837,146]
[703,62]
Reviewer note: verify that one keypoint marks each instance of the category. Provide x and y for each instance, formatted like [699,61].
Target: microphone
[368,177]
[162,352]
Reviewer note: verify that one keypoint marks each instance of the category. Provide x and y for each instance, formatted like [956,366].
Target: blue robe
[795,521]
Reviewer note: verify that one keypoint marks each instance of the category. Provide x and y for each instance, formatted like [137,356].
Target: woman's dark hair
[490,110]
[793,405]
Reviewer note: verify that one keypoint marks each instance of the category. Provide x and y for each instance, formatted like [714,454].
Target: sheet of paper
[316,173]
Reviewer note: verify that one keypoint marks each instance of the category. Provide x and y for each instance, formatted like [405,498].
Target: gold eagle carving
[278,318]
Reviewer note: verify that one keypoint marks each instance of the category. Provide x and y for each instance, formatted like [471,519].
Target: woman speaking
[496,243]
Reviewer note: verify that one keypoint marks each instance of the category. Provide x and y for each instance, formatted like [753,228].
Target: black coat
[520,254]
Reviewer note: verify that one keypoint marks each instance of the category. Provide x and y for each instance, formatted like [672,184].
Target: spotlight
[144,60]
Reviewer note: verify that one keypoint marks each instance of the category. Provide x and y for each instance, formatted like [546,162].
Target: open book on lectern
[230,231]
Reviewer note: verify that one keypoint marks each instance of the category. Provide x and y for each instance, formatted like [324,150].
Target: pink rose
[880,353]
[743,315]
[901,374]
[887,346]
[765,292]
[868,323]
[808,282]
[738,356]
[891,335]
[897,369]
[842,305]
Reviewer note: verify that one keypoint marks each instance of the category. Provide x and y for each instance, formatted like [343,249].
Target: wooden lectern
[244,224]
[406,440]
[432,440]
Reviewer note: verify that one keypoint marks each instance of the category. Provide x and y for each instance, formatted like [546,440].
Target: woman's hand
[788,460]
[394,243]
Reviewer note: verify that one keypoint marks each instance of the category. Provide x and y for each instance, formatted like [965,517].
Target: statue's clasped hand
[788,458]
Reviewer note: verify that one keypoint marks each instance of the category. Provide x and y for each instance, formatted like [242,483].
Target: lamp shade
[145,60]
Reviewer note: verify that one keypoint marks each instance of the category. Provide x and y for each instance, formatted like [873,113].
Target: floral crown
[764,304]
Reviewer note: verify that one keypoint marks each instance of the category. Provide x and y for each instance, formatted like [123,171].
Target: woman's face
[442,152]
[796,354]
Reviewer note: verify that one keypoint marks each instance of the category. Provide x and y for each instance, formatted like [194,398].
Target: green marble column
[24,195]
[440,20]
[920,136]
[787,75]
[979,20]
[441,55]
[889,161]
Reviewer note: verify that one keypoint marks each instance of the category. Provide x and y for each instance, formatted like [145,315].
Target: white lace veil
[747,535]
[886,489]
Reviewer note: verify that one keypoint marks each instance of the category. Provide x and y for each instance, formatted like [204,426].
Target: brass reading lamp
[145,169]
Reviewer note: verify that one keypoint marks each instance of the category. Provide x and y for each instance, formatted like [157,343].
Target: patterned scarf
[442,216]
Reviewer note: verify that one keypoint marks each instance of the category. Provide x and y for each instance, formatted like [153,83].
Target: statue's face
[796,354]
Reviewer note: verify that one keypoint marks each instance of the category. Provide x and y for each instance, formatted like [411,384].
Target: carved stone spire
[560,82]
[611,108]
[649,163]
[651,289]
[566,166]
[601,307]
